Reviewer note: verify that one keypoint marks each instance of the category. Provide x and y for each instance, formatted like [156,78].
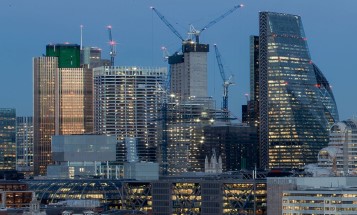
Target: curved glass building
[296,104]
[326,96]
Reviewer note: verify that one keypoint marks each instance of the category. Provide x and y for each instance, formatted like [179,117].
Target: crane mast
[226,82]
[112,44]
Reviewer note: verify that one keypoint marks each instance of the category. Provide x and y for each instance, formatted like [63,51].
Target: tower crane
[193,31]
[226,82]
[112,43]
[197,33]
[167,23]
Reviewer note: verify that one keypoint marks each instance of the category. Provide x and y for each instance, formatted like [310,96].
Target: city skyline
[141,34]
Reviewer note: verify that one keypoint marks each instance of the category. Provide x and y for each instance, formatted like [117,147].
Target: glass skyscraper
[62,99]
[7,139]
[296,104]
[24,144]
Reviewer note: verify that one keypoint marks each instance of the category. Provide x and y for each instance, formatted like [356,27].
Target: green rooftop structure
[68,54]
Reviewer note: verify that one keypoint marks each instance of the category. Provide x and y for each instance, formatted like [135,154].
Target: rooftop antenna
[81,26]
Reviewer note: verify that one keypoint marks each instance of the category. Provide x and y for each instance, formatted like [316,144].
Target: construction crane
[226,82]
[197,33]
[167,23]
[112,43]
[193,31]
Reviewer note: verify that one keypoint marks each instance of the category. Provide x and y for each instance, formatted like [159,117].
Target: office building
[339,156]
[250,111]
[196,194]
[82,156]
[7,139]
[294,112]
[188,71]
[185,137]
[62,99]
[14,194]
[235,143]
[126,106]
[92,57]
[311,195]
[24,144]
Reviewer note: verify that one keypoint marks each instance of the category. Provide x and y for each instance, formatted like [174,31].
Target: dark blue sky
[27,26]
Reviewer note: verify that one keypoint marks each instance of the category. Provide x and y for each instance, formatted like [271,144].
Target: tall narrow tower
[294,119]
[62,99]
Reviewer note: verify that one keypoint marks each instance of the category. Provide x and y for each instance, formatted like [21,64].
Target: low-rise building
[82,156]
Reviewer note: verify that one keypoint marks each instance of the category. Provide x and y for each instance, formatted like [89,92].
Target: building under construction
[189,71]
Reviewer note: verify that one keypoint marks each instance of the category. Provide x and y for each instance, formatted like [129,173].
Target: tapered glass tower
[293,107]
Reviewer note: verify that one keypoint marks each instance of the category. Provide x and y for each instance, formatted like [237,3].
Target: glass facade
[7,139]
[323,201]
[326,96]
[62,102]
[68,54]
[293,120]
[45,69]
[114,194]
[235,143]
[24,143]
[185,136]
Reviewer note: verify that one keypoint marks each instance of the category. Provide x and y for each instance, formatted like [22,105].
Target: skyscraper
[293,116]
[24,144]
[7,139]
[126,105]
[62,99]
[188,71]
[185,136]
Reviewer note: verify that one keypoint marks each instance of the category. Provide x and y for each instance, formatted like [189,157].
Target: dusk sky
[27,26]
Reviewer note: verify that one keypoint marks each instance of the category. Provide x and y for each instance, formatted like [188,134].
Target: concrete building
[126,106]
[7,139]
[62,99]
[296,104]
[339,157]
[82,156]
[188,71]
[24,145]
[312,195]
